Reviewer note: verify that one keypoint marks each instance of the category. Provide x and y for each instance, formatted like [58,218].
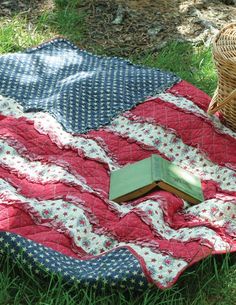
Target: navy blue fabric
[81,90]
[118,268]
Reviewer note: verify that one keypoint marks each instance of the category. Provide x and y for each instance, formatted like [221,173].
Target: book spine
[156,168]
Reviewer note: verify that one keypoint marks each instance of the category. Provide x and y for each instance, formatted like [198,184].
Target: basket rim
[226,27]
[224,55]
[218,50]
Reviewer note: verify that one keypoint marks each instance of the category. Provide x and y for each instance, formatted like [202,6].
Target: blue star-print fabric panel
[116,269]
[81,90]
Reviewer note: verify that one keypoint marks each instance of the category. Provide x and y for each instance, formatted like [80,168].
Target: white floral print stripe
[154,213]
[162,267]
[188,105]
[64,215]
[37,171]
[46,124]
[181,154]
[218,212]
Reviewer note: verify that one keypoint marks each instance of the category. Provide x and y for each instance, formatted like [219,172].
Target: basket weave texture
[224,54]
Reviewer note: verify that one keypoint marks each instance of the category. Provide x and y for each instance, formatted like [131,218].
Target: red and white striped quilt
[54,185]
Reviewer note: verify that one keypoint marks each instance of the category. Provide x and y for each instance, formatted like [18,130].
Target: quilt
[81,90]
[54,185]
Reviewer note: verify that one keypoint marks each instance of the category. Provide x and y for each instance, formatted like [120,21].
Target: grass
[210,282]
[193,64]
[23,30]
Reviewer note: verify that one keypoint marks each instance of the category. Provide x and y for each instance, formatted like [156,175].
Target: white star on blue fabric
[118,268]
[81,90]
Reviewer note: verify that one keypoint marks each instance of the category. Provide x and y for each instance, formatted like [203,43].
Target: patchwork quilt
[81,90]
[54,185]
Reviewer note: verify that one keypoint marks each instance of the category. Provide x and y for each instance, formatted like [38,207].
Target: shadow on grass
[13,7]
[67,18]
[40,23]
[64,20]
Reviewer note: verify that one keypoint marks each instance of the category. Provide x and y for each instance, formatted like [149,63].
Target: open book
[135,180]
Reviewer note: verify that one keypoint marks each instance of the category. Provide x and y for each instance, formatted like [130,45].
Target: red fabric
[192,129]
[136,226]
[15,220]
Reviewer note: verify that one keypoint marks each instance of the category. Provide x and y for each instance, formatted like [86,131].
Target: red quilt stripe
[15,220]
[190,92]
[128,151]
[40,147]
[193,130]
[23,225]
[111,223]
[106,218]
[125,150]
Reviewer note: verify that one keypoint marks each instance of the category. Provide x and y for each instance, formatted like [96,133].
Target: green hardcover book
[135,180]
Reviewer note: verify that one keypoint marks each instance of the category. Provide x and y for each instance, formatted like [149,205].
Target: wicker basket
[224,53]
